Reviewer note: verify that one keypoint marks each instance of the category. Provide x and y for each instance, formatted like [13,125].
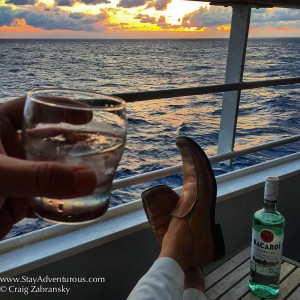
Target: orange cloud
[19,26]
[18,22]
[269,31]
[287,29]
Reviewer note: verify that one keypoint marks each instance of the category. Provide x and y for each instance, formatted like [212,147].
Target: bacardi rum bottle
[266,247]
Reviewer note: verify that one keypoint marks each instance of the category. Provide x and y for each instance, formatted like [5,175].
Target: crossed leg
[185,227]
[170,277]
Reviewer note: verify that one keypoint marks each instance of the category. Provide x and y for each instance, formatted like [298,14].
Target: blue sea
[117,66]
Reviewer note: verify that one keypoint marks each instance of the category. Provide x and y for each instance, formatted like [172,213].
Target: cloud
[47,18]
[72,2]
[65,2]
[93,2]
[276,18]
[214,16]
[146,19]
[159,4]
[21,2]
[76,16]
[59,2]
[132,3]
[6,15]
[161,22]
[207,16]
[63,20]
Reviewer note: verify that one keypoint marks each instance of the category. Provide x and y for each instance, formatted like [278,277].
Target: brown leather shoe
[158,203]
[197,203]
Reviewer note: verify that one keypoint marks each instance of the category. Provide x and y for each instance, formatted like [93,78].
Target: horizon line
[179,38]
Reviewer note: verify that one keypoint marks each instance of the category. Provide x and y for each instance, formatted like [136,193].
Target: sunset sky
[135,19]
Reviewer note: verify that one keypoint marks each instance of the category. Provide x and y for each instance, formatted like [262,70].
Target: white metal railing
[180,92]
[141,178]
[217,88]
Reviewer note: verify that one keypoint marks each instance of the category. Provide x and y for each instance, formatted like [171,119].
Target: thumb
[20,178]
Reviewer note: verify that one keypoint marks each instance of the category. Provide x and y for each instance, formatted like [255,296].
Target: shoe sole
[158,202]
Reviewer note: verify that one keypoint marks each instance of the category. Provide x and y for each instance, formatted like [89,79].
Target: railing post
[234,73]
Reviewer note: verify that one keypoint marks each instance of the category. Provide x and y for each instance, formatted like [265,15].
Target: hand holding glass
[76,128]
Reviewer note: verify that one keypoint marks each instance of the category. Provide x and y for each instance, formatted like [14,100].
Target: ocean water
[117,66]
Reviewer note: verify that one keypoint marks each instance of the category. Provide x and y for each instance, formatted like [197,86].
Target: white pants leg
[164,281]
[193,294]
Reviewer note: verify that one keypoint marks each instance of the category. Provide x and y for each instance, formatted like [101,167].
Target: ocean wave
[136,121]
[14,70]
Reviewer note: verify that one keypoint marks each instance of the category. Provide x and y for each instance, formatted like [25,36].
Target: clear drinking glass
[77,128]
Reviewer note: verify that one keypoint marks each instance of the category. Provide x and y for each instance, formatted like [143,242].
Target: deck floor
[230,280]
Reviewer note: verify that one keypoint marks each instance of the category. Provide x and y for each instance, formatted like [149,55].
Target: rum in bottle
[266,247]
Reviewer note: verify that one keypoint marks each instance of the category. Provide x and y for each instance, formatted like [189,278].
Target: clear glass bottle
[266,246]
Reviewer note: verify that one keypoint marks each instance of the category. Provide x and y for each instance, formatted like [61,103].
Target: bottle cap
[271,189]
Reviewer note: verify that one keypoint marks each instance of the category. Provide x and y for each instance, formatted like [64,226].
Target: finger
[31,215]
[13,110]
[6,220]
[19,207]
[42,133]
[21,178]
[11,117]
[10,139]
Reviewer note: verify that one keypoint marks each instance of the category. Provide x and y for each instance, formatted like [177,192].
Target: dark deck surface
[230,280]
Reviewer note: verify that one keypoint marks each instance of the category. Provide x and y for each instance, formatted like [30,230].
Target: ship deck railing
[181,92]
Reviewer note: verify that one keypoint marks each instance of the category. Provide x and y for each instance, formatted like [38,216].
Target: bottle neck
[270,206]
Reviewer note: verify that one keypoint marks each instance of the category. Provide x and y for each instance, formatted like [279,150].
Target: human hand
[21,179]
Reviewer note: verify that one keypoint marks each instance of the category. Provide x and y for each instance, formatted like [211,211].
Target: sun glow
[149,19]
[129,19]
[47,2]
[177,9]
[224,27]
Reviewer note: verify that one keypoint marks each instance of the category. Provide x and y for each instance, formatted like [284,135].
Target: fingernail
[84,181]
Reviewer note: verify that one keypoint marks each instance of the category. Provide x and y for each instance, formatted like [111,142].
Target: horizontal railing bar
[180,92]
[141,178]
[257,148]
